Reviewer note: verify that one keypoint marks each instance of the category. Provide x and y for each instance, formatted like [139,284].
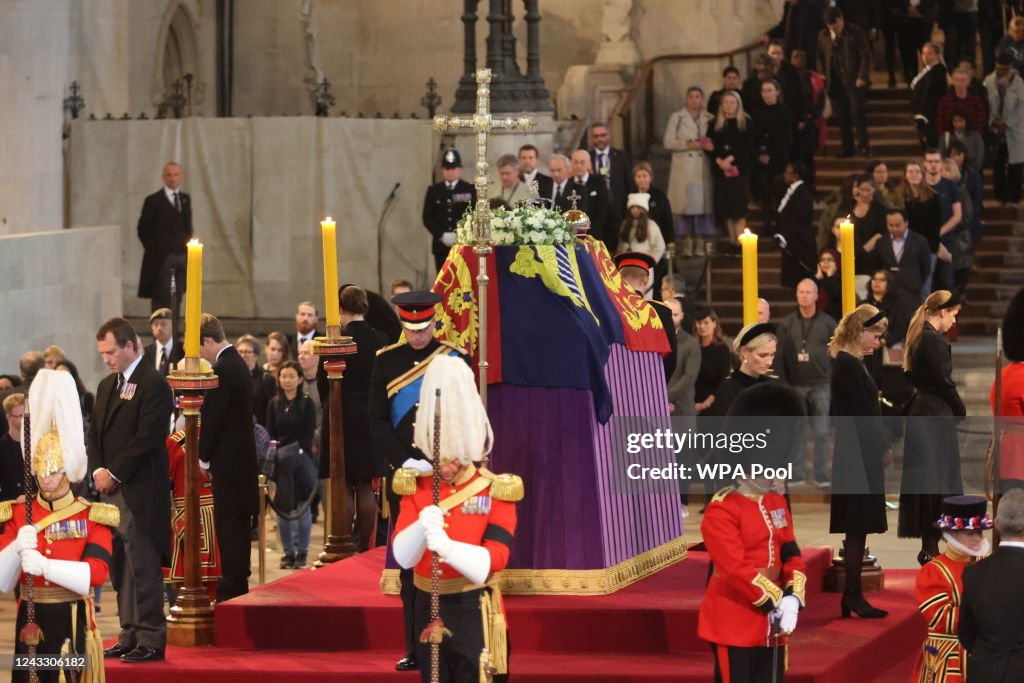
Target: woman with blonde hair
[862,451]
[755,347]
[731,145]
[931,460]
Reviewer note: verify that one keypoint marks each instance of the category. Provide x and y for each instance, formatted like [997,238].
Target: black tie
[177,202]
[163,361]
[558,196]
[120,383]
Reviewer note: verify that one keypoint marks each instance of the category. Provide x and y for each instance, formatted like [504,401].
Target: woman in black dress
[862,450]
[886,296]
[829,280]
[755,346]
[868,218]
[931,460]
[732,147]
[715,357]
[362,464]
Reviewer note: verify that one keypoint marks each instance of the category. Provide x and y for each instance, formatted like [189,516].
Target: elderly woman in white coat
[690,184]
[1005,89]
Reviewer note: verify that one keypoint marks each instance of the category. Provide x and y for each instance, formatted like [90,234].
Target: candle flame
[194,242]
[328,220]
[746,231]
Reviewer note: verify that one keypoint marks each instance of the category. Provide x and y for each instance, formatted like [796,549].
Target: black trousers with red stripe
[747,664]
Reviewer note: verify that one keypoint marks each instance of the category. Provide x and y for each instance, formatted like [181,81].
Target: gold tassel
[404,481]
[93,648]
[499,634]
[385,506]
[65,650]
[507,487]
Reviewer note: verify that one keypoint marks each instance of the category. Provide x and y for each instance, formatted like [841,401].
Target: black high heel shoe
[860,606]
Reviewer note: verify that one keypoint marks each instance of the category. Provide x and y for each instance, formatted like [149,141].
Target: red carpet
[334,625]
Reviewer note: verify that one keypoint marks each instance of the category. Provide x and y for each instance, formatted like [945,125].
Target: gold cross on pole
[482,123]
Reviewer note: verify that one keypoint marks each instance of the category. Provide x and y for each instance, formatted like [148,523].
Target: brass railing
[637,128]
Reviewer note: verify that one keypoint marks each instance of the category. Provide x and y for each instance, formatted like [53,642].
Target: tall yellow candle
[748,242]
[330,271]
[848,274]
[193,298]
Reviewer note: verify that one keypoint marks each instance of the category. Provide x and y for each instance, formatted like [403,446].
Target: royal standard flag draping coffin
[569,346]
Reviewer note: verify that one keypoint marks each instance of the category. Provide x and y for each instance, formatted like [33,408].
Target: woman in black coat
[862,450]
[362,464]
[886,296]
[931,460]
[715,357]
[755,346]
[732,152]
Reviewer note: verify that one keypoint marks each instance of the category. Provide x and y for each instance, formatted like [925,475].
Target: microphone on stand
[380,236]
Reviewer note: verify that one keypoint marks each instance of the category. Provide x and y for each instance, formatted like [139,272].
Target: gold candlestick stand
[191,621]
[333,348]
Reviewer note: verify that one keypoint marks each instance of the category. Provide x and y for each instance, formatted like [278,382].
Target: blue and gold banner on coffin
[550,334]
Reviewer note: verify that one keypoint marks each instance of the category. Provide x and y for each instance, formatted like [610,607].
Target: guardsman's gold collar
[58,504]
[465,476]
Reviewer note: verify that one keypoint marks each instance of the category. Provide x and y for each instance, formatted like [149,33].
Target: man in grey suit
[128,462]
[684,378]
[905,254]
[991,623]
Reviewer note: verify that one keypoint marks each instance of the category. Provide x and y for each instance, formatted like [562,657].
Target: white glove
[28,538]
[787,612]
[32,562]
[438,542]
[781,240]
[447,238]
[432,517]
[418,464]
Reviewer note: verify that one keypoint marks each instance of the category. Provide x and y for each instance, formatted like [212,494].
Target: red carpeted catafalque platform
[334,625]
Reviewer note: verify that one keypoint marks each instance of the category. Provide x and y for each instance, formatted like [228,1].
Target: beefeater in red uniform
[758,583]
[471,529]
[67,548]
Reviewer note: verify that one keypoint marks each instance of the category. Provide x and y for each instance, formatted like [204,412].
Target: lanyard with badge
[803,356]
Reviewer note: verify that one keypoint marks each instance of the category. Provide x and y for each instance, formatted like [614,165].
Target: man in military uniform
[445,203]
[635,268]
[759,580]
[470,528]
[394,395]
[66,550]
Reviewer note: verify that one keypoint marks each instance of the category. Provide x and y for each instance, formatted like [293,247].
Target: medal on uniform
[464,197]
[128,393]
[779,518]
[477,505]
[66,529]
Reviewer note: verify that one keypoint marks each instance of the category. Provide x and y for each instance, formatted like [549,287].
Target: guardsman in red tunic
[66,550]
[940,583]
[209,554]
[758,584]
[471,529]
[1011,402]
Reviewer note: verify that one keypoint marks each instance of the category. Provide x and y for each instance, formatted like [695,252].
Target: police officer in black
[394,396]
[445,203]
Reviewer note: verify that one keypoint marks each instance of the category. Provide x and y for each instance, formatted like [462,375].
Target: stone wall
[58,287]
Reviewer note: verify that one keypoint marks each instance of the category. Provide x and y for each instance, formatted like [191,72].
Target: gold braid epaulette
[6,511]
[105,514]
[455,347]
[403,483]
[720,496]
[506,487]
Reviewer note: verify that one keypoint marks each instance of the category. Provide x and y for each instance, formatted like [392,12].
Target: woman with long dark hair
[829,280]
[862,449]
[931,460]
[715,357]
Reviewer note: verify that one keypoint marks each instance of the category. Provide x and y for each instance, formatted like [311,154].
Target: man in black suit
[128,462]
[561,183]
[796,228]
[444,205]
[227,451]
[593,201]
[528,172]
[165,227]
[927,88]
[615,168]
[165,351]
[306,320]
[905,254]
[992,609]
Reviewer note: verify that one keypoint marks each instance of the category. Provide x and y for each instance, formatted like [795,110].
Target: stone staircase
[999,259]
